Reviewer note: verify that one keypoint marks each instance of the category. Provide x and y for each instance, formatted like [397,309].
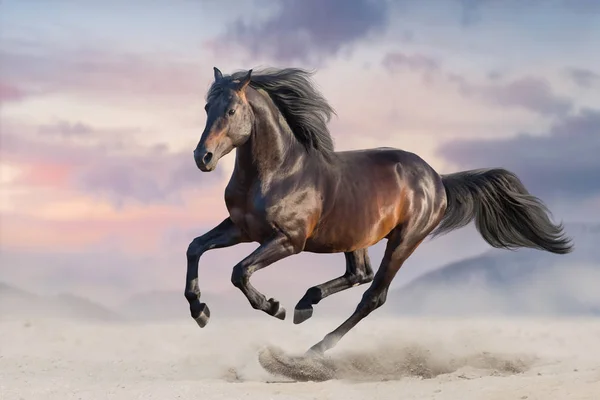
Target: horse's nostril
[207,157]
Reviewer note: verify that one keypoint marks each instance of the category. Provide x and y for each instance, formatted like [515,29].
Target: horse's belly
[359,220]
[351,233]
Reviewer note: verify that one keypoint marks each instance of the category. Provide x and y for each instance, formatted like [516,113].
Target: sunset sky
[102,104]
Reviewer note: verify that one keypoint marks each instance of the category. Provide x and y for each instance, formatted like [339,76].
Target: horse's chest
[248,212]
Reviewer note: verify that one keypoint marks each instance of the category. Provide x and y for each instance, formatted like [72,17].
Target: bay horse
[290,191]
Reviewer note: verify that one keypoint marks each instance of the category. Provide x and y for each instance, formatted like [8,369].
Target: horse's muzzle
[204,160]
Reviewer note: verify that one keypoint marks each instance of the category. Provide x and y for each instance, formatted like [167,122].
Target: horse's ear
[245,81]
[218,74]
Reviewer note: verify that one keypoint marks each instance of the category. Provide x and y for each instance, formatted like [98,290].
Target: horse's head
[228,123]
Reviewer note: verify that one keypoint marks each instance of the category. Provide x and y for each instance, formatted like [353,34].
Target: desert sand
[383,358]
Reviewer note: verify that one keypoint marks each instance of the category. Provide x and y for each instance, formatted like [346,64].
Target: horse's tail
[505,214]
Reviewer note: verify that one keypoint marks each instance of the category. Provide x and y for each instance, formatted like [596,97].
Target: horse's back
[379,159]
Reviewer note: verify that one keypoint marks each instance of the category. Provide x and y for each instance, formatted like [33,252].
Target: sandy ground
[381,359]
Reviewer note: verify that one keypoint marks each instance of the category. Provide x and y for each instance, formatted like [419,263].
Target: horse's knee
[239,276]
[195,247]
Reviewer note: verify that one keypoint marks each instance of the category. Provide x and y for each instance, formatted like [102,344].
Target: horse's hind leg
[400,246]
[358,272]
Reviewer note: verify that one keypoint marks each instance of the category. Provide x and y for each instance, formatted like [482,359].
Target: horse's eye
[231,112]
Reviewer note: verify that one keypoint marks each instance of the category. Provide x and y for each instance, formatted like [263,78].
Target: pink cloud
[10,93]
[66,128]
[103,73]
[78,186]
[134,230]
[53,175]
[106,166]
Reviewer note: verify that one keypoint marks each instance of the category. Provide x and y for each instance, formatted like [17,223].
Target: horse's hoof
[302,314]
[276,310]
[200,313]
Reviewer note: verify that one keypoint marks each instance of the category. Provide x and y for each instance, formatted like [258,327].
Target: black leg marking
[225,234]
[358,272]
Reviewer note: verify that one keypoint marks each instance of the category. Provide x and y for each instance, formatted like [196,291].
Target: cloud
[583,6]
[562,163]
[10,93]
[311,29]
[97,72]
[397,61]
[531,93]
[583,78]
[67,129]
[471,11]
[106,163]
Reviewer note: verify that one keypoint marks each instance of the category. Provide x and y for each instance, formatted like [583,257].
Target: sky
[101,105]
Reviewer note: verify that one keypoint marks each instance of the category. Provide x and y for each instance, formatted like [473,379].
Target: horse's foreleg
[225,234]
[265,255]
[358,272]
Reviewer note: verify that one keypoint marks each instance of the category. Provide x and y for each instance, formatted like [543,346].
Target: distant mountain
[18,303]
[171,305]
[155,305]
[522,282]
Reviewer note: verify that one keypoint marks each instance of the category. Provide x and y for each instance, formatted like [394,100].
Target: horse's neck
[271,146]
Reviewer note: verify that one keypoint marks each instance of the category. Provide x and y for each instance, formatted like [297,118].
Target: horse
[291,191]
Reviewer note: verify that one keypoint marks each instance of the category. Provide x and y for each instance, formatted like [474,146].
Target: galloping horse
[291,192]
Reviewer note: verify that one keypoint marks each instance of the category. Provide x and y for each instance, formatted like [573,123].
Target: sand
[383,358]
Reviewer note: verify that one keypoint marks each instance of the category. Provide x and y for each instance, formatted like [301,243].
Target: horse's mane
[304,108]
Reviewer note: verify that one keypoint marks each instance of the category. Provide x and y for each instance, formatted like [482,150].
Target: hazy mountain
[511,282]
[169,305]
[18,303]
[497,282]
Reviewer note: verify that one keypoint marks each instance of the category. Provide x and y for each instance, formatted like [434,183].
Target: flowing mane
[304,108]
